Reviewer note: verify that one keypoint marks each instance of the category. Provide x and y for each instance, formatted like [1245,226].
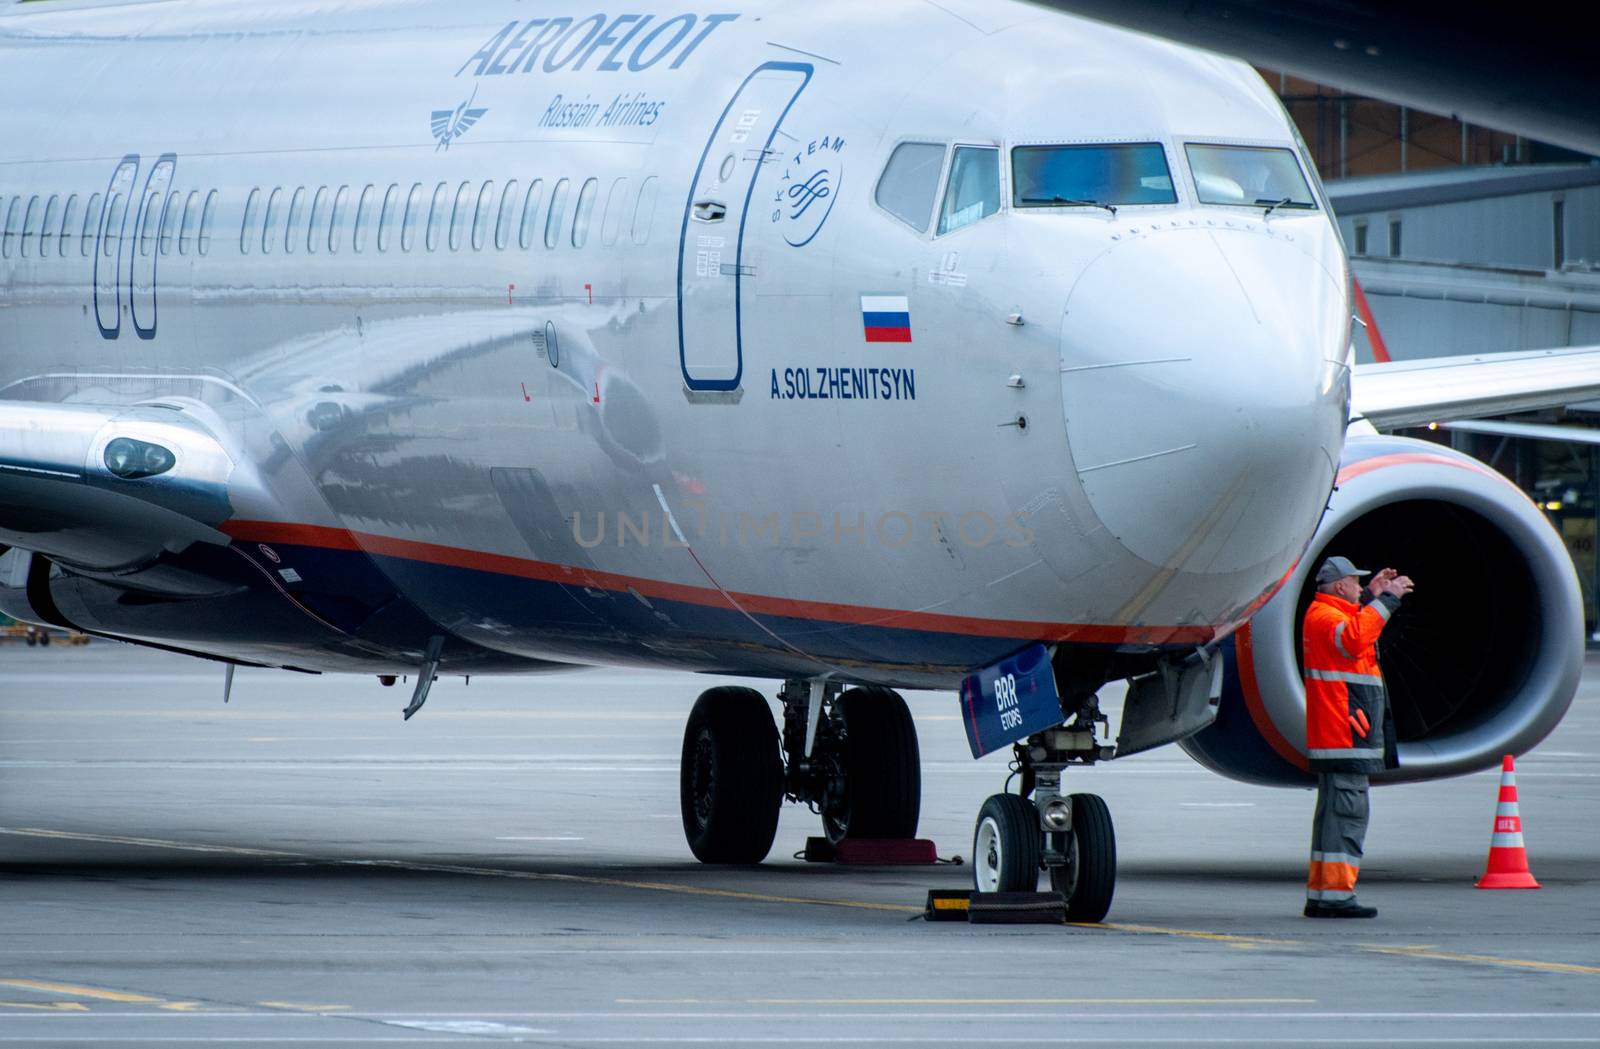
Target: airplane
[960,346]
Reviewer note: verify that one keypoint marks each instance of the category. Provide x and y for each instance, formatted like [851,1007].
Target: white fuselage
[639,418]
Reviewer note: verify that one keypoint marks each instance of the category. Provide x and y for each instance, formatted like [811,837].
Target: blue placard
[1010,701]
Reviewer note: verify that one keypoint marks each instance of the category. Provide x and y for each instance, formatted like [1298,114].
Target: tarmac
[302,867]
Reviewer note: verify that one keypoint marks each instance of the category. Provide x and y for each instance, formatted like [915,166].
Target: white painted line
[466,1027]
[963,1039]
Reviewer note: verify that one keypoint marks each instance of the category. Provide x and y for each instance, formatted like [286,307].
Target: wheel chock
[997,908]
[863,852]
[947,905]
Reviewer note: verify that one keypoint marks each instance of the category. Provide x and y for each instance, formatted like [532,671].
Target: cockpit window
[910,182]
[973,192]
[1249,175]
[1091,176]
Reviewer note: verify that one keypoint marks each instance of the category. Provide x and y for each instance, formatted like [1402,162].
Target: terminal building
[1465,240]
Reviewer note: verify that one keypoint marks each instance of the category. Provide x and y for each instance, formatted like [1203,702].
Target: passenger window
[909,183]
[91,219]
[247,227]
[481,219]
[616,204]
[191,215]
[69,222]
[341,208]
[1091,176]
[291,228]
[408,232]
[47,231]
[441,201]
[557,215]
[508,215]
[208,215]
[530,214]
[645,211]
[319,211]
[387,215]
[169,223]
[274,206]
[358,239]
[973,192]
[460,215]
[111,239]
[30,226]
[580,219]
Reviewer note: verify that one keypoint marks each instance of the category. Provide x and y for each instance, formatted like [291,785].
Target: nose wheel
[1006,845]
[1071,836]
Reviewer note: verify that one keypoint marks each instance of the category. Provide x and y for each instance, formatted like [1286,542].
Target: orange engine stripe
[1246,662]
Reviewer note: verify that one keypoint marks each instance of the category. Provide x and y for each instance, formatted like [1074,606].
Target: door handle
[709,211]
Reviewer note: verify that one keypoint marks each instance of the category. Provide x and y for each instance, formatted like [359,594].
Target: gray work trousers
[1337,833]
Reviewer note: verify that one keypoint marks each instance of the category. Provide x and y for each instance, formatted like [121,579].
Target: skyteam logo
[451,124]
[812,177]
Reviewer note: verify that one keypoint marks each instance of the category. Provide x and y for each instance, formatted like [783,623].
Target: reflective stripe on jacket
[1348,725]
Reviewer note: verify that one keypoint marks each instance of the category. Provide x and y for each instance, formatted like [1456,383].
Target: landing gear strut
[1039,828]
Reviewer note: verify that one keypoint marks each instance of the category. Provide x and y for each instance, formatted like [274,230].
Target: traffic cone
[1508,857]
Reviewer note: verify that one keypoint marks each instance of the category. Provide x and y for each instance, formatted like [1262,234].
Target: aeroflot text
[622,42]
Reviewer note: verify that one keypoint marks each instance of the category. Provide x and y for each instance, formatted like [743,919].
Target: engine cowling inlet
[1481,661]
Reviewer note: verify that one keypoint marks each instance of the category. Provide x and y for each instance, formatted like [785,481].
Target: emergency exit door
[712,269]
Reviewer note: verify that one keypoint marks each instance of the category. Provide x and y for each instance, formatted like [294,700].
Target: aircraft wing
[1545,83]
[1418,392]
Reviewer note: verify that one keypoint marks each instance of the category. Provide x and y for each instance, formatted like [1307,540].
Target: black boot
[1352,909]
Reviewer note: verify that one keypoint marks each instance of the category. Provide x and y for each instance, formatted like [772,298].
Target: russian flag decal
[886,318]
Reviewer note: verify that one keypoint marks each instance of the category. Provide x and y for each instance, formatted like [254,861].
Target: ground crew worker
[1349,727]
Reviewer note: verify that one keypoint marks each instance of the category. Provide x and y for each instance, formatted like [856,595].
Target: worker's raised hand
[1380,581]
[1400,585]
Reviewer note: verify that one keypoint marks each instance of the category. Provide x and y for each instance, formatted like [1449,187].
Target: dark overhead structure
[1531,70]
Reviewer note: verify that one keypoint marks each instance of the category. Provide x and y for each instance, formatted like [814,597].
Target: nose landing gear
[1070,835]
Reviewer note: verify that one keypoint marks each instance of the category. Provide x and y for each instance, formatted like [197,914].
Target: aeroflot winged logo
[615,44]
[451,124]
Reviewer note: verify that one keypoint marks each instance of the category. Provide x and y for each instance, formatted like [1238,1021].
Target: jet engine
[1482,659]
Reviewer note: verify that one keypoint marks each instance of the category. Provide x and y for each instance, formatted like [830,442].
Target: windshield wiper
[1072,202]
[1274,205]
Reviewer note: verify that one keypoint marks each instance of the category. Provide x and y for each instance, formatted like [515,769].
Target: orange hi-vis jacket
[1349,727]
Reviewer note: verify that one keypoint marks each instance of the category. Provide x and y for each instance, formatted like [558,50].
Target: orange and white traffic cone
[1508,857]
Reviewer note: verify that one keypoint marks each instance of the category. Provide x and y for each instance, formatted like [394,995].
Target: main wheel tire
[882,768]
[1006,845]
[730,779]
[1089,877]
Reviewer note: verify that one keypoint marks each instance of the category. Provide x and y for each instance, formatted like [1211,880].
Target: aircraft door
[711,263]
[108,247]
[143,248]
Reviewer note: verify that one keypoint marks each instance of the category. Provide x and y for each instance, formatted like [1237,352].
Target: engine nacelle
[1483,658]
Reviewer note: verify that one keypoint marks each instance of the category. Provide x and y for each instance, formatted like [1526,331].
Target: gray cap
[1337,568]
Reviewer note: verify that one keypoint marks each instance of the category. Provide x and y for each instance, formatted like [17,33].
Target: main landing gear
[850,755]
[1069,835]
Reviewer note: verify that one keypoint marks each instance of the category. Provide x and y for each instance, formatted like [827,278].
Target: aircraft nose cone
[1205,397]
